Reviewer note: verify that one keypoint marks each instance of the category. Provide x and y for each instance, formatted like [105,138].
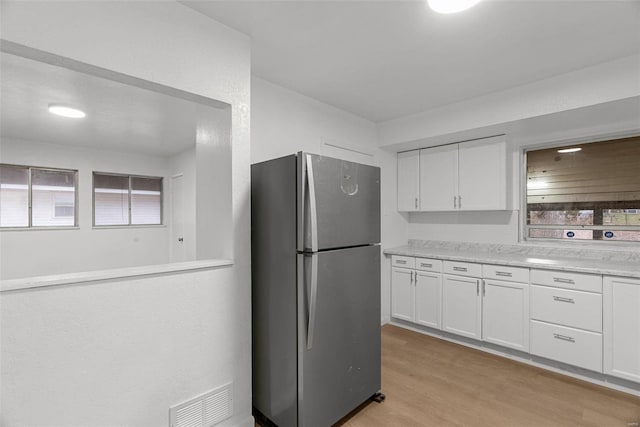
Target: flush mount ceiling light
[64,111]
[451,6]
[569,150]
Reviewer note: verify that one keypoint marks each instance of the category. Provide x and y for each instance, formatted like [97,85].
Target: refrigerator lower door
[339,333]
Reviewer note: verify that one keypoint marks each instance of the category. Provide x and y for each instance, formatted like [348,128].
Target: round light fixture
[569,150]
[64,111]
[451,6]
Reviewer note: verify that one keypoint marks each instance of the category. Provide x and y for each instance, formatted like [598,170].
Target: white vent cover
[205,410]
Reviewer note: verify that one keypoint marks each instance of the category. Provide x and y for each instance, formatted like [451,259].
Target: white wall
[27,253]
[600,84]
[284,122]
[122,352]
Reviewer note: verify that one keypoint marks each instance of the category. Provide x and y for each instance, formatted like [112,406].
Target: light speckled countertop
[606,262]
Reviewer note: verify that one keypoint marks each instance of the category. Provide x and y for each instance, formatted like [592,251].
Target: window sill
[11,285]
[127,227]
[622,245]
[59,228]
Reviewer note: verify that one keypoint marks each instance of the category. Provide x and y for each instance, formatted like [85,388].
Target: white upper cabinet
[468,176]
[409,181]
[439,178]
[482,175]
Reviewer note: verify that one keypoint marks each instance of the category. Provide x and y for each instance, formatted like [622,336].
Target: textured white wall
[284,122]
[121,352]
[185,164]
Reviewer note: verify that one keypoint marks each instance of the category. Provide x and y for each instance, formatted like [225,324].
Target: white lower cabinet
[462,306]
[505,314]
[566,317]
[621,314]
[402,293]
[428,294]
[580,319]
[416,293]
[568,345]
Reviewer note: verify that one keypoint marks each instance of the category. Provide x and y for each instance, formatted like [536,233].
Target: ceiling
[120,117]
[386,59]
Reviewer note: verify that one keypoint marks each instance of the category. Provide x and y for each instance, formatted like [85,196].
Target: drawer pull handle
[422,264]
[401,261]
[564,338]
[504,273]
[561,280]
[563,299]
[459,268]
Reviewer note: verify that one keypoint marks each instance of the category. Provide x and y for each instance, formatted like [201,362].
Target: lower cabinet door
[428,294]
[402,293]
[568,345]
[622,327]
[505,314]
[461,306]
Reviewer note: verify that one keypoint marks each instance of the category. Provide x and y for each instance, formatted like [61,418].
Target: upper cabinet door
[409,181]
[439,178]
[482,174]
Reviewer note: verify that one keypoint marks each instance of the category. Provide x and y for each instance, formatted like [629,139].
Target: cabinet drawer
[511,274]
[402,261]
[567,345]
[426,264]
[462,268]
[570,308]
[562,279]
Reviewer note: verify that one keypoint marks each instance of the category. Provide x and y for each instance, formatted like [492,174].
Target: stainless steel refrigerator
[315,231]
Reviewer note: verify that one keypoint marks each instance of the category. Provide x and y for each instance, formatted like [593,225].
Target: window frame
[129,193]
[525,227]
[30,225]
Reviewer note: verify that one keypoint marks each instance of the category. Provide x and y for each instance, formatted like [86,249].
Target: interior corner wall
[284,122]
[122,352]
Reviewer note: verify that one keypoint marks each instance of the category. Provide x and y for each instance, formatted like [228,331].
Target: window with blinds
[122,200]
[37,197]
[584,191]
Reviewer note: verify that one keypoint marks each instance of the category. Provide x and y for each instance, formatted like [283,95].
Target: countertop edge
[572,265]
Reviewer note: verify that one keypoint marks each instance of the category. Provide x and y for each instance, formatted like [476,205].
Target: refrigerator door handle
[313,212]
[302,197]
[313,302]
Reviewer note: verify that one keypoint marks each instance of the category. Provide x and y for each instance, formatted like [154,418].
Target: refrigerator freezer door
[339,365]
[339,203]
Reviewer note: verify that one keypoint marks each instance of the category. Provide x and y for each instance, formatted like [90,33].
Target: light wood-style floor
[431,382]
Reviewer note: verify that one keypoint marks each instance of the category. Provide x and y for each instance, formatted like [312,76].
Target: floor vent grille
[205,410]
